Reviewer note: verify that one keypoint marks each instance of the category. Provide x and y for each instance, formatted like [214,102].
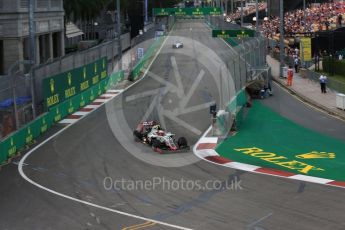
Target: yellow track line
[139,226]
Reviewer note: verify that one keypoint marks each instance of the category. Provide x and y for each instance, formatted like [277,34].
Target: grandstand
[324,24]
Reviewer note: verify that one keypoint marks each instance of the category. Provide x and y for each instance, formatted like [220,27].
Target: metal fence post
[14,96]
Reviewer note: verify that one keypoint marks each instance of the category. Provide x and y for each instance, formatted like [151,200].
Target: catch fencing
[246,65]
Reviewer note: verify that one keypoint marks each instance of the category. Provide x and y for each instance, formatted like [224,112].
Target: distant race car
[150,133]
[227,19]
[177,45]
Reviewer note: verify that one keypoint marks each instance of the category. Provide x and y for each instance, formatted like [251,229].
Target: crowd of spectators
[247,10]
[318,18]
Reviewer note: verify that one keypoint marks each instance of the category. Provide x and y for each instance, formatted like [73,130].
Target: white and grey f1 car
[177,45]
[150,132]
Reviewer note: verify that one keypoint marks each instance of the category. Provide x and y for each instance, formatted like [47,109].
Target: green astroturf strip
[281,142]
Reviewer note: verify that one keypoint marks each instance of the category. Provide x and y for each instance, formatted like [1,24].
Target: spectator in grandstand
[324,17]
[340,19]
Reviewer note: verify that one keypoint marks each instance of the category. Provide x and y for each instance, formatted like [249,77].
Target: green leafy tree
[83,9]
[89,9]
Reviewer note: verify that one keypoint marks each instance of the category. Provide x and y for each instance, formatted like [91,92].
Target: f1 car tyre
[137,135]
[156,143]
[182,142]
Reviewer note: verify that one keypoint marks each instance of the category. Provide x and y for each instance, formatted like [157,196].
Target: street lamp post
[32,31]
[226,6]
[146,11]
[119,34]
[257,15]
[304,17]
[281,31]
[241,13]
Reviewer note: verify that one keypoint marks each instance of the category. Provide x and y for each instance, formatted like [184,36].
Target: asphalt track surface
[306,116]
[76,162]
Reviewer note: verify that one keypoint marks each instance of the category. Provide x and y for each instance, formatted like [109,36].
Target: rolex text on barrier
[187,11]
[232,33]
[26,136]
[61,87]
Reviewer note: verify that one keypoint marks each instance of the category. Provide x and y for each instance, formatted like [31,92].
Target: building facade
[14,31]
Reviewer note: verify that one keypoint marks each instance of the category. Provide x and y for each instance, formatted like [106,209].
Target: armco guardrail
[10,146]
[143,63]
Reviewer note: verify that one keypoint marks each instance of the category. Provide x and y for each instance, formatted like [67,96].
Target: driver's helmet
[156,127]
[160,133]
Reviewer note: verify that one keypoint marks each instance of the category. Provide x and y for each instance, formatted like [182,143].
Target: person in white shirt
[296,64]
[296,51]
[323,81]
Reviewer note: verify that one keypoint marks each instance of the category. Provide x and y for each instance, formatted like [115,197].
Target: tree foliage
[134,5]
[83,9]
[89,9]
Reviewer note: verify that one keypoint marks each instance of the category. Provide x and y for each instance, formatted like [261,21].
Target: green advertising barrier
[231,42]
[3,153]
[58,112]
[12,144]
[239,101]
[70,106]
[236,106]
[225,34]
[74,104]
[64,86]
[195,11]
[23,137]
[143,62]
[116,78]
[26,136]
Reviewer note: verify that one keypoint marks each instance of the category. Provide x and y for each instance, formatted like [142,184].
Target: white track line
[80,113]
[68,121]
[101,100]
[21,172]
[91,107]
[114,90]
[22,163]
[311,179]
[108,95]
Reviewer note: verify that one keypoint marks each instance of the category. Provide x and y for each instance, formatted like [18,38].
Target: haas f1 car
[150,133]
